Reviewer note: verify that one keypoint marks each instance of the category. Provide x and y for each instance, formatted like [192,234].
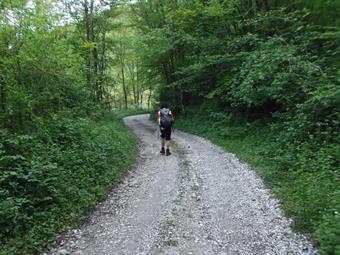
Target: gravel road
[199,200]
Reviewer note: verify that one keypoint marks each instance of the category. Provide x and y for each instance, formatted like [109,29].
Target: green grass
[304,177]
[51,179]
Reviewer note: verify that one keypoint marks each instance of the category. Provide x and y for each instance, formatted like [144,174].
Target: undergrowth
[52,177]
[304,176]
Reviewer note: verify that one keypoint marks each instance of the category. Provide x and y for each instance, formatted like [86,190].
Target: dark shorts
[166,133]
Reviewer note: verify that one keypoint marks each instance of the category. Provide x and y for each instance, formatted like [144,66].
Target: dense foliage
[263,75]
[304,177]
[59,154]
[52,177]
[259,77]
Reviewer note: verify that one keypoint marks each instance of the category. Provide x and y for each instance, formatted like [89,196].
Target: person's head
[164,105]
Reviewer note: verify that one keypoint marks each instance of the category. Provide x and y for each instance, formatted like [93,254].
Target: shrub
[51,178]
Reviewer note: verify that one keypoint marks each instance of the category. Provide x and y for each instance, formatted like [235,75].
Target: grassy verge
[52,177]
[304,177]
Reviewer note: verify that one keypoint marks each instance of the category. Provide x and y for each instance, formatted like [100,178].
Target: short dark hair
[164,105]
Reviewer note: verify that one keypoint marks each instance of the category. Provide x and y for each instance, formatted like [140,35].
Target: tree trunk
[2,96]
[266,5]
[124,88]
[88,13]
[123,79]
[175,77]
[137,84]
[141,100]
[101,69]
[254,6]
[149,98]
[166,73]
[131,69]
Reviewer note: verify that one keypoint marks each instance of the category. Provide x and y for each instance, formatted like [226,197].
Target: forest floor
[199,200]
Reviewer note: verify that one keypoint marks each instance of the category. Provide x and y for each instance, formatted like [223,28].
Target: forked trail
[199,200]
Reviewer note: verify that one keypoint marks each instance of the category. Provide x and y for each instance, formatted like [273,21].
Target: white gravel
[199,200]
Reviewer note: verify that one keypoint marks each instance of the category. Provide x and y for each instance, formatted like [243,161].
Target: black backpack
[166,119]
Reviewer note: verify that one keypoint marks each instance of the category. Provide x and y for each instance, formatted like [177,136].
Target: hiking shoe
[168,153]
[162,151]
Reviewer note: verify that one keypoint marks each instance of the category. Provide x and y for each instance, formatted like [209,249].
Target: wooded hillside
[258,77]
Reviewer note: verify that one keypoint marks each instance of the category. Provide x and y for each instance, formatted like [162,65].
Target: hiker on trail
[165,120]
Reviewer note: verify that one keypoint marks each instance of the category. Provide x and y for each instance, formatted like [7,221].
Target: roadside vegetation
[258,77]
[304,178]
[261,79]
[52,177]
[63,145]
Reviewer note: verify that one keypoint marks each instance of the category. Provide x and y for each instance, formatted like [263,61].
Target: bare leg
[167,145]
[167,152]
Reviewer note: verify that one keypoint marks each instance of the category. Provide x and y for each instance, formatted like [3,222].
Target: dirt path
[199,200]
